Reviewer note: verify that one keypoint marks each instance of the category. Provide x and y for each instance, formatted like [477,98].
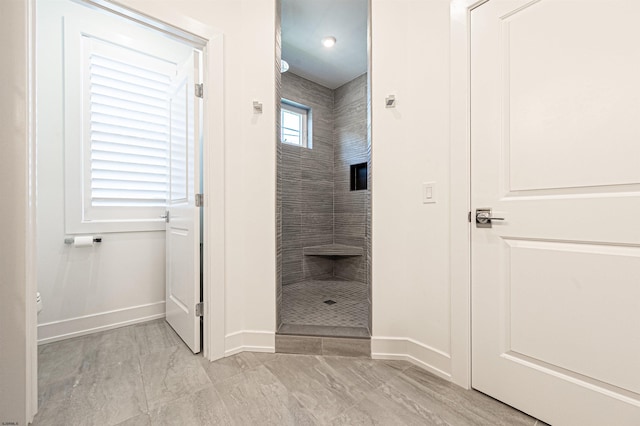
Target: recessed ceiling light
[328,41]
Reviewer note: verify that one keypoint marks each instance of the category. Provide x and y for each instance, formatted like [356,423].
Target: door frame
[460,184]
[167,20]
[20,357]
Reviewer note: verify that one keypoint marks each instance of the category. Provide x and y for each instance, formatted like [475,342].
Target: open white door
[183,216]
[555,141]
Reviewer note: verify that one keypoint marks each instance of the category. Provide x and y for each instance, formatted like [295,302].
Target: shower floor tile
[305,303]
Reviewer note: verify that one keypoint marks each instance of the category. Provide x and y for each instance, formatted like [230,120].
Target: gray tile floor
[144,375]
[303,303]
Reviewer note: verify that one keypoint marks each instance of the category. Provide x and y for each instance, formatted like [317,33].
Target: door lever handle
[487,216]
[165,216]
[484,218]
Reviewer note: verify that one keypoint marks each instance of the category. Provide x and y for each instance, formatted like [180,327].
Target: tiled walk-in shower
[324,211]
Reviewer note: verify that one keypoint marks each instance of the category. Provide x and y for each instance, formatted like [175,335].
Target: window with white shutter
[125,135]
[118,80]
[128,119]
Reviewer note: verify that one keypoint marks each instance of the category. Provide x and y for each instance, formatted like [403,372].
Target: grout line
[144,387]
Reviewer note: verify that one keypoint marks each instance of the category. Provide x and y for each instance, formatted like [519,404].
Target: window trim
[303,111]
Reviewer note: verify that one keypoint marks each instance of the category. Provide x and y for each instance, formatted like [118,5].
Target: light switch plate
[428,192]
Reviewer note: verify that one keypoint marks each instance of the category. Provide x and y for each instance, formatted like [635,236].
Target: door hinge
[199,200]
[469,217]
[199,90]
[200,309]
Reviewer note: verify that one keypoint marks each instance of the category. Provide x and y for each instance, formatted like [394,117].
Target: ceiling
[306,22]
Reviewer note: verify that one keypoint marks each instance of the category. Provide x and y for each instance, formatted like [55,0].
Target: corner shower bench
[333,250]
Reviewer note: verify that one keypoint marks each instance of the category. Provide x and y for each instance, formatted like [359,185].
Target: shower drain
[330,302]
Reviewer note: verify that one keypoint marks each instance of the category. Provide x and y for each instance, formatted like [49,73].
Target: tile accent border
[249,341]
[88,324]
[426,357]
[323,331]
[327,346]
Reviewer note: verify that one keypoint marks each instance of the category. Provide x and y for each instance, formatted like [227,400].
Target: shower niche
[359,177]
[324,171]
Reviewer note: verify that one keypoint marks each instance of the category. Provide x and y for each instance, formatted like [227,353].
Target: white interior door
[183,216]
[555,135]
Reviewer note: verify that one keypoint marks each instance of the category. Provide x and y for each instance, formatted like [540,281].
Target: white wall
[411,287]
[122,279]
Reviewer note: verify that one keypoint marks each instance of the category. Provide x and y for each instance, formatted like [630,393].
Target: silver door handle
[165,216]
[484,218]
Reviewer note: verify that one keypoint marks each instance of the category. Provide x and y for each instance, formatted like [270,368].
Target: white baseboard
[250,341]
[400,348]
[80,326]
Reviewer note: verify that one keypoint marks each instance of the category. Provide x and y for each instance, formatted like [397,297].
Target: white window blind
[128,134]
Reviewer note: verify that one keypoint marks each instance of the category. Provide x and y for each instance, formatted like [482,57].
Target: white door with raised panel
[555,152]
[183,216]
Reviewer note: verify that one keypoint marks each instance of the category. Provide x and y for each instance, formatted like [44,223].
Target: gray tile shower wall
[318,206]
[307,185]
[350,147]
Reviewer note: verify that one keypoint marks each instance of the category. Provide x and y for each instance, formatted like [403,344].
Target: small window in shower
[295,123]
[358,176]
